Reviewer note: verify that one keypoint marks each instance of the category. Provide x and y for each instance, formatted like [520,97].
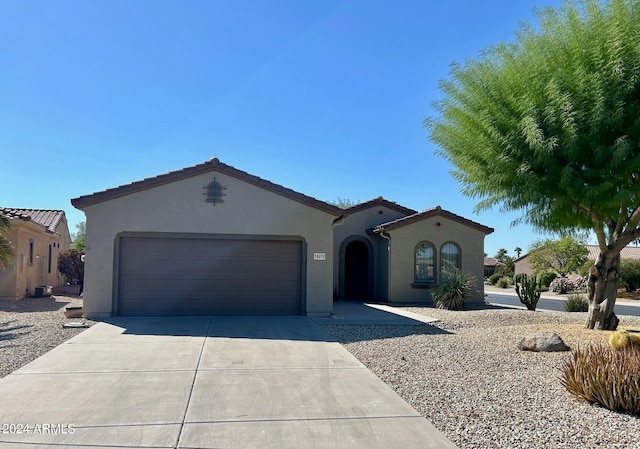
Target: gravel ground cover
[466,375]
[31,327]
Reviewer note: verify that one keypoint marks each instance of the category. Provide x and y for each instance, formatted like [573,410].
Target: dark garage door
[206,276]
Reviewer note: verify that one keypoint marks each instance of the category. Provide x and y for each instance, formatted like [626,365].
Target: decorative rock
[547,342]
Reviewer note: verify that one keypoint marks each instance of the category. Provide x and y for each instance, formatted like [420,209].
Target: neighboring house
[212,239]
[37,238]
[490,265]
[630,252]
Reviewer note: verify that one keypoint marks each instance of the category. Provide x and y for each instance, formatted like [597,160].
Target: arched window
[425,262]
[450,256]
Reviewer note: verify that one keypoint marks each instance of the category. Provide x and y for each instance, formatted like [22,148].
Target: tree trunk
[602,290]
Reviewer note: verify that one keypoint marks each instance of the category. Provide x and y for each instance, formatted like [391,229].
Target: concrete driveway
[205,382]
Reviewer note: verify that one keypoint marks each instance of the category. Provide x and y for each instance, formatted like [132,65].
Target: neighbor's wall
[437,230]
[180,207]
[356,225]
[32,269]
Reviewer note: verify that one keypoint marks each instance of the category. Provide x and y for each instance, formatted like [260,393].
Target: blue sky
[325,97]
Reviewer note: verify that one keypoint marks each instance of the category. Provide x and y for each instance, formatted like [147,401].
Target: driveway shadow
[27,305]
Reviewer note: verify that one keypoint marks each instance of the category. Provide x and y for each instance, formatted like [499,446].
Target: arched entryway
[357,269]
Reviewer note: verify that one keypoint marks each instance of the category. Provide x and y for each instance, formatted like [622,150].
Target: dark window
[30,252]
[49,262]
[450,256]
[425,262]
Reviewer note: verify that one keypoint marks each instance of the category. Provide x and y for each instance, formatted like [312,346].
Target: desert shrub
[562,285]
[493,279]
[70,264]
[602,375]
[630,274]
[544,278]
[580,284]
[503,282]
[624,339]
[576,303]
[452,290]
[528,291]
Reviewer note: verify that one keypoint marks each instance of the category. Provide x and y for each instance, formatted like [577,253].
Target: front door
[356,274]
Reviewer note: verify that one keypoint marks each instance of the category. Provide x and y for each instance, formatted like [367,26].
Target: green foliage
[630,274]
[70,264]
[544,278]
[562,256]
[576,303]
[6,252]
[503,282]
[528,291]
[80,237]
[549,124]
[493,279]
[344,203]
[508,266]
[452,290]
[601,375]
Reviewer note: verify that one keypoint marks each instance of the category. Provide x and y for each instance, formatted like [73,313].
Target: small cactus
[528,290]
[624,339]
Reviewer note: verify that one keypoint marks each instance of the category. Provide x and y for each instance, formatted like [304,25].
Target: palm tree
[6,253]
[518,250]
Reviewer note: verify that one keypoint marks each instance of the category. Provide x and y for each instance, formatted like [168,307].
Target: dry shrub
[601,375]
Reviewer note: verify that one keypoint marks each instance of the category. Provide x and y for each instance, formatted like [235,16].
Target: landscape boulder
[543,342]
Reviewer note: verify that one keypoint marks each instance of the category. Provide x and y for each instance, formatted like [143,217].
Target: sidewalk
[551,295]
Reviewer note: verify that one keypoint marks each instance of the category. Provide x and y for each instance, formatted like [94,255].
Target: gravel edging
[466,375]
[31,327]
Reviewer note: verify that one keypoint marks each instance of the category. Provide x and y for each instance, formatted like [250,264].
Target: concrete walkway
[205,382]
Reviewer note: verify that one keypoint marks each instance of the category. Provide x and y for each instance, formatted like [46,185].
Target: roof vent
[214,192]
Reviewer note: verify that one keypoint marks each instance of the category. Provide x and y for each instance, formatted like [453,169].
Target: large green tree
[561,256]
[6,252]
[80,237]
[550,125]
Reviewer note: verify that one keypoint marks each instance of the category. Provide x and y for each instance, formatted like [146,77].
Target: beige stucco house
[37,238]
[212,239]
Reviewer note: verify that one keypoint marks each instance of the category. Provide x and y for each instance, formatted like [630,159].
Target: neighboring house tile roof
[436,211]
[628,252]
[212,165]
[380,202]
[491,262]
[49,219]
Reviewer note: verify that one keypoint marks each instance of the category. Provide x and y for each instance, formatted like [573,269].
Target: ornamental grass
[605,376]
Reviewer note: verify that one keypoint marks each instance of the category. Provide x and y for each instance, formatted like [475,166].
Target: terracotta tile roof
[491,262]
[436,211]
[629,252]
[46,218]
[210,166]
[380,202]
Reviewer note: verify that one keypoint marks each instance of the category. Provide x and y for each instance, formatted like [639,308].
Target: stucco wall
[180,207]
[437,230]
[22,277]
[356,224]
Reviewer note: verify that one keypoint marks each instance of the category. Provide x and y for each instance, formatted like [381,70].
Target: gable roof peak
[380,201]
[427,213]
[212,164]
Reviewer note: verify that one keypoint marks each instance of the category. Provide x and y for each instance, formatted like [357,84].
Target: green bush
[602,375]
[630,274]
[503,282]
[544,278]
[576,303]
[452,290]
[493,279]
